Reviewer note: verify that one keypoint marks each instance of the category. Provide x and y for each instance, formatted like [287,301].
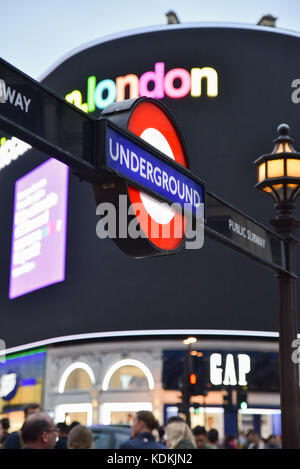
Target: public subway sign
[246,235]
[158,83]
[151,171]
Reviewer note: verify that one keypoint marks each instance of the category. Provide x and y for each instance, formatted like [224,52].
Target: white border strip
[154,332]
[150,29]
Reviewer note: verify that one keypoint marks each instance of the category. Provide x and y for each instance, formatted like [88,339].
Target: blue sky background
[35,33]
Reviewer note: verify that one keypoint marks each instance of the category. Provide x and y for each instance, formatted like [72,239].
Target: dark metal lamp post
[279,176]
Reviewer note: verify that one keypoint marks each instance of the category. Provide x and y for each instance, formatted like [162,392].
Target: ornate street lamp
[279,176]
[279,171]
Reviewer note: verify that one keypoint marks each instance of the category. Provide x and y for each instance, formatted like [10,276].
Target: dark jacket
[14,441]
[143,441]
[62,443]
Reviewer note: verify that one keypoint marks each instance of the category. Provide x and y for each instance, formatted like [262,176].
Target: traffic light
[193,379]
[196,408]
[198,375]
[242,402]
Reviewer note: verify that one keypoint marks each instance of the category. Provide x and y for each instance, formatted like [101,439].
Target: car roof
[110,428]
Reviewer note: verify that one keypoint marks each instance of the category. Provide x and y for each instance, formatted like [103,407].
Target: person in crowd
[39,432]
[159,435]
[63,431]
[179,436]
[4,423]
[272,442]
[257,442]
[230,442]
[80,437]
[200,435]
[14,440]
[213,438]
[175,418]
[249,439]
[73,424]
[161,432]
[242,441]
[143,425]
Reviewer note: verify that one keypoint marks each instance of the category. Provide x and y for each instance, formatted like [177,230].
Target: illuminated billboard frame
[38,250]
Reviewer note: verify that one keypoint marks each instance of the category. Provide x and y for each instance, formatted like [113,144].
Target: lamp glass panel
[262,172]
[293,167]
[279,149]
[275,168]
[288,149]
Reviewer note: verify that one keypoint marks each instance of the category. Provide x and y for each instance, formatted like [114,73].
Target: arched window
[128,374]
[78,376]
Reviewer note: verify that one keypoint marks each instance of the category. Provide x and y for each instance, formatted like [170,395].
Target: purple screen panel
[39,229]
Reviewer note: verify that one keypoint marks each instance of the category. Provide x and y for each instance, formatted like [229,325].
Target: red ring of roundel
[149,115]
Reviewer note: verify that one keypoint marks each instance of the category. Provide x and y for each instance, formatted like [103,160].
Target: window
[128,377]
[78,379]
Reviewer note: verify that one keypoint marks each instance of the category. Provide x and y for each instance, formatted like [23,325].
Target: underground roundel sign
[160,226]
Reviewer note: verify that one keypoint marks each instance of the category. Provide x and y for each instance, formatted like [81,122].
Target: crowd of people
[40,432]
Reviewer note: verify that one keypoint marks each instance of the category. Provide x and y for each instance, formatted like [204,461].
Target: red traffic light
[193,378]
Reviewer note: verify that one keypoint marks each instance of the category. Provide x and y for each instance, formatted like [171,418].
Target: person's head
[174,418]
[210,422]
[63,429]
[230,442]
[200,435]
[5,425]
[80,437]
[143,421]
[31,409]
[249,436]
[176,432]
[39,431]
[213,436]
[272,440]
[73,424]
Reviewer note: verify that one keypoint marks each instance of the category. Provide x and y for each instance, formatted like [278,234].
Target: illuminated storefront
[107,382]
[21,383]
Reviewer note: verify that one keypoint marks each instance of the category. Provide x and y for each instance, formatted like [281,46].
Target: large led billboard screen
[228,87]
[39,228]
